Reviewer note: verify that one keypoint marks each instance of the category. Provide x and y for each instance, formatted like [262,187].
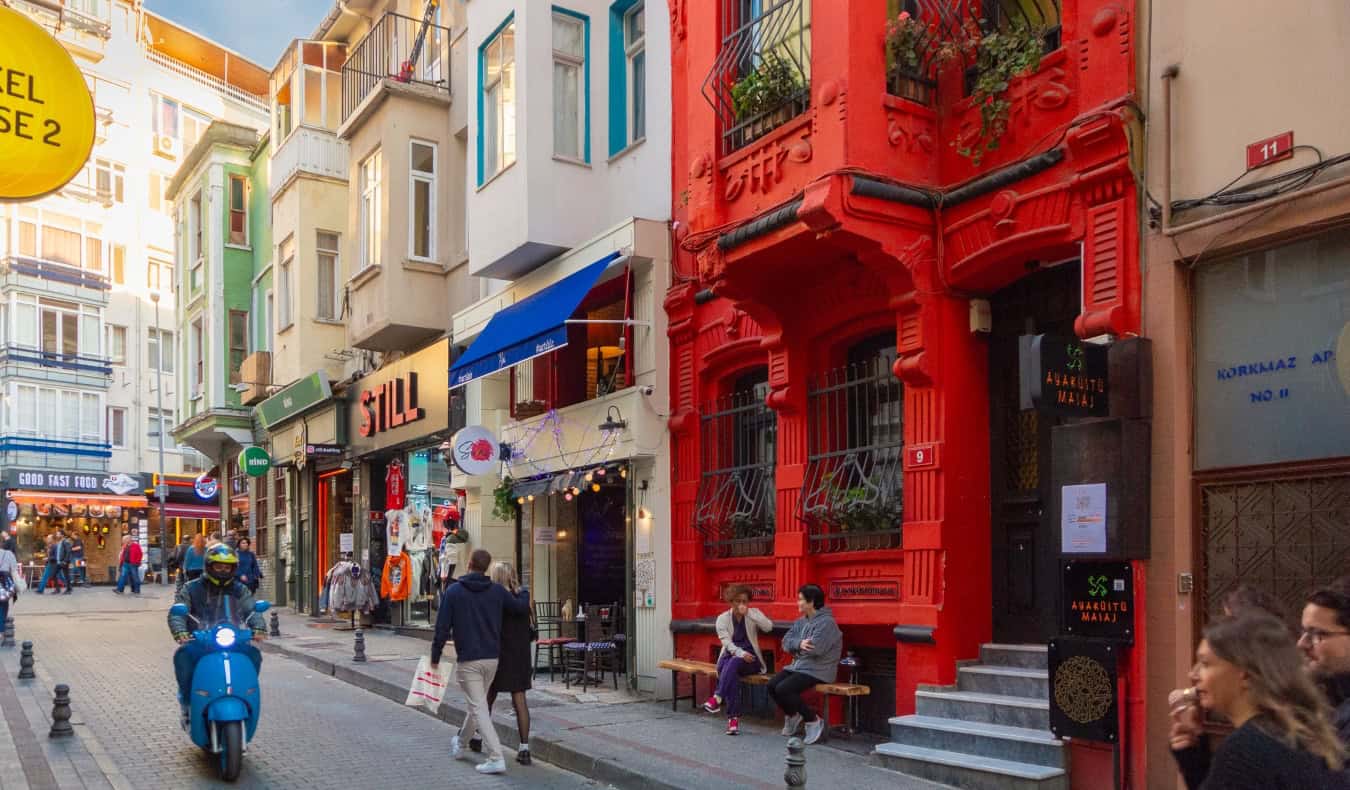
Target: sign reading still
[1063,376]
[475,450]
[1098,600]
[46,112]
[391,405]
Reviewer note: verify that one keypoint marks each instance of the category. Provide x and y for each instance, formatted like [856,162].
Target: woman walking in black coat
[513,663]
[1248,670]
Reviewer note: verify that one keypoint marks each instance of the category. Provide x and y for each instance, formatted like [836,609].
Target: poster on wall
[545,536]
[1084,694]
[1083,519]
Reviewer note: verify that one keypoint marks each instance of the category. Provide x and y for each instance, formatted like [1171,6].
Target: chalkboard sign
[1063,376]
[1084,692]
[1098,600]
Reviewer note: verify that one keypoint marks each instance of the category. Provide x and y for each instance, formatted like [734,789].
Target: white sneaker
[456,751]
[791,725]
[497,766]
[814,729]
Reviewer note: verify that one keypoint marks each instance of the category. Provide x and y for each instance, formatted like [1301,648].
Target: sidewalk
[636,745]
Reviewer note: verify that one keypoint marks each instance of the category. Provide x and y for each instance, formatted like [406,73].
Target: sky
[257,29]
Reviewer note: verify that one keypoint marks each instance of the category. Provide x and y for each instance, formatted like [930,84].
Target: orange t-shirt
[397,582]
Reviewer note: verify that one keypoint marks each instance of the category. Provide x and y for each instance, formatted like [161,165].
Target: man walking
[471,612]
[1324,636]
[129,566]
[57,560]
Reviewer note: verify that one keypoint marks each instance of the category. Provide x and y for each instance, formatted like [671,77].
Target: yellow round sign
[46,112]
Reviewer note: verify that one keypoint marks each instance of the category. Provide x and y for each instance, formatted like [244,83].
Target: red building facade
[850,287]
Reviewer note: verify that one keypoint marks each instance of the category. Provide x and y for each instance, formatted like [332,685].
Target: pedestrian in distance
[514,665]
[814,641]
[250,573]
[1324,637]
[194,559]
[471,613]
[79,573]
[179,556]
[9,586]
[1249,671]
[55,568]
[129,566]
[1246,598]
[10,543]
[738,628]
[232,539]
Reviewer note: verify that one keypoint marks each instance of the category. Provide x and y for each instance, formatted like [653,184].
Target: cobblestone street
[315,731]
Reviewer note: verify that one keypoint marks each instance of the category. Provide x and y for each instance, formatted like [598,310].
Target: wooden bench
[846,690]
[695,669]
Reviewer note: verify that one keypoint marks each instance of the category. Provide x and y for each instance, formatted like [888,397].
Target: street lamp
[160,487]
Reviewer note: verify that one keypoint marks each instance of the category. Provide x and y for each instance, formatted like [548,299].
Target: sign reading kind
[390,405]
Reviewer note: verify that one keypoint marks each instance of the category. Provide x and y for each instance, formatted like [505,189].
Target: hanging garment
[394,481]
[418,537]
[397,577]
[395,531]
[350,588]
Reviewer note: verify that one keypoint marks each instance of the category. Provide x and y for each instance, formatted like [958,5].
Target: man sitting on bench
[815,642]
[739,628]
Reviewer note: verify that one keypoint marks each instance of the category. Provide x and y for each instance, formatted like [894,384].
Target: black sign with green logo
[1063,376]
[1098,600]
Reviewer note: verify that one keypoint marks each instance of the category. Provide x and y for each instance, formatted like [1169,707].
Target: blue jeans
[131,572]
[53,569]
[186,657]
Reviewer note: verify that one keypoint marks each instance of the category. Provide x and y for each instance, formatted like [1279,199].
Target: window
[497,105]
[157,344]
[117,426]
[195,261]
[571,86]
[117,344]
[109,180]
[194,126]
[157,201]
[370,216]
[422,189]
[635,51]
[238,343]
[279,493]
[67,415]
[196,358]
[238,210]
[269,305]
[61,245]
[91,428]
[734,508]
[165,118]
[284,272]
[93,254]
[158,275]
[170,119]
[63,326]
[326,245]
[628,74]
[160,422]
[119,264]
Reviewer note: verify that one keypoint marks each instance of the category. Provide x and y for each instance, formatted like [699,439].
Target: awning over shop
[172,510]
[40,498]
[533,326]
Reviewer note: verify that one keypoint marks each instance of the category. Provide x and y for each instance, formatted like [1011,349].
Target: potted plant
[1001,56]
[861,520]
[908,47]
[764,94]
[744,528]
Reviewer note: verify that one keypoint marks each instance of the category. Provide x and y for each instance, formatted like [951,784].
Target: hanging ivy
[1002,55]
[504,500]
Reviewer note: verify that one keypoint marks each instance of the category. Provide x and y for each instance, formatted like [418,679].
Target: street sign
[255,461]
[46,116]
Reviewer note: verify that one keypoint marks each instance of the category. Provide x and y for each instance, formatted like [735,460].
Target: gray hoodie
[827,642]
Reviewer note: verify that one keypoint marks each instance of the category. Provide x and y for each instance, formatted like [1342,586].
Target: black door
[1025,551]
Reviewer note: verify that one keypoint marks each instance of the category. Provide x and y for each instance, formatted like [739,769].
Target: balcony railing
[852,495]
[71,363]
[387,53]
[221,87]
[308,150]
[762,75]
[734,510]
[51,271]
[61,15]
[88,193]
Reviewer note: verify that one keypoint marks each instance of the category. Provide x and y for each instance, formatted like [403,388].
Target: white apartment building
[81,269]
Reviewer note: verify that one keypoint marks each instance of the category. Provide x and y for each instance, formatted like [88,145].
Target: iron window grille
[734,509]
[761,77]
[852,497]
[384,54]
[963,24]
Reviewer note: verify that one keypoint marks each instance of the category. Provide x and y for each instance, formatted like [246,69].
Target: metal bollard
[360,656]
[8,639]
[795,776]
[26,661]
[61,713]
[275,629]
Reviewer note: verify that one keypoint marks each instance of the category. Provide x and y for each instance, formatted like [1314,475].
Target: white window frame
[113,331]
[161,269]
[329,311]
[502,109]
[634,86]
[416,177]
[230,181]
[197,358]
[120,412]
[196,233]
[571,61]
[285,284]
[370,219]
[59,425]
[156,360]
[269,307]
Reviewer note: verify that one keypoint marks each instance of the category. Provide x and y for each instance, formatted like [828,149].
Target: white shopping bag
[428,685]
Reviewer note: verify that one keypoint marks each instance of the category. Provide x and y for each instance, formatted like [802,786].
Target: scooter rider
[211,598]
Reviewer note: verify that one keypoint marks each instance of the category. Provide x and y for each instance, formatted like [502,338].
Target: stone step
[968,771]
[1018,744]
[1025,656]
[1015,681]
[1002,709]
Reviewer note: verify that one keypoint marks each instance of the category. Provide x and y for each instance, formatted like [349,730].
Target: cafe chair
[549,620]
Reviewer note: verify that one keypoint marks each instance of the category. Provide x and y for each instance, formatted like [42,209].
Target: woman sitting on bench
[739,628]
[814,641]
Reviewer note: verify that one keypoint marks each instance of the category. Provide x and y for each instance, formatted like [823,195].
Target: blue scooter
[224,700]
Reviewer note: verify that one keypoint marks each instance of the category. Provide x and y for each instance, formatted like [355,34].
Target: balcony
[54,367]
[36,275]
[30,450]
[396,52]
[73,23]
[222,88]
[762,75]
[309,151]
[88,193]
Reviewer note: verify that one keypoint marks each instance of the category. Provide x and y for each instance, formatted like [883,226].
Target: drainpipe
[1168,75]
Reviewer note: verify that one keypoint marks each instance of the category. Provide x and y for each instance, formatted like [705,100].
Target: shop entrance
[1024,545]
[602,547]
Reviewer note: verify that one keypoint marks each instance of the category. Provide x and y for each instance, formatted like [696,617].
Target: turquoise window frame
[482,73]
[585,73]
[618,78]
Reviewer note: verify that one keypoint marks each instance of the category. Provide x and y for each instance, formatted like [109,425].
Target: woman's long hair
[1290,705]
[503,574]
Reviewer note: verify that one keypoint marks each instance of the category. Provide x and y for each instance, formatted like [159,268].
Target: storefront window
[1268,330]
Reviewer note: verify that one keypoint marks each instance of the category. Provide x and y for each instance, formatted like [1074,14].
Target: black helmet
[221,554]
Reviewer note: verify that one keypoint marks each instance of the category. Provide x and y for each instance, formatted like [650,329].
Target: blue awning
[533,326]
